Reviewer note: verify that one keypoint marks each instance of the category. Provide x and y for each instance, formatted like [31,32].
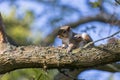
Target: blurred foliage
[18,27]
[118,1]
[29,74]
[95,4]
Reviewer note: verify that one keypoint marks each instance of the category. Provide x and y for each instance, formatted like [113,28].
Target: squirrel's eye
[80,37]
[64,31]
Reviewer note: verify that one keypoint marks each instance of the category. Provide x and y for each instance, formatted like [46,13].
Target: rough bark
[49,57]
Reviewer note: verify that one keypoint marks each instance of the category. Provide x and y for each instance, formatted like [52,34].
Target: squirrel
[71,40]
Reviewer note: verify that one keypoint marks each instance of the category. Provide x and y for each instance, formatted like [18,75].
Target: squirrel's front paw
[69,50]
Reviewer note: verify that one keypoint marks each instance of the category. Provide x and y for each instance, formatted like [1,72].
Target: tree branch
[101,39]
[12,57]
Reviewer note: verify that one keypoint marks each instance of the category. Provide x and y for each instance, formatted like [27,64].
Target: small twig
[113,67]
[100,39]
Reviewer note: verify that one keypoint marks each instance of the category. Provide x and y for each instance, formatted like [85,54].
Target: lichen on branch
[50,57]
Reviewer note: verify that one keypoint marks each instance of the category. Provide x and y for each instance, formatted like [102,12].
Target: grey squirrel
[71,40]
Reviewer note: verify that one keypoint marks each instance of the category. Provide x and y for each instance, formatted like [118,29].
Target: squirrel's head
[64,32]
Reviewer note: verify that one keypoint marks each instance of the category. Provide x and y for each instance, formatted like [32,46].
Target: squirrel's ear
[68,28]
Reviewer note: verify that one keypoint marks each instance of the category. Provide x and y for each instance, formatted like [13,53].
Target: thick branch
[12,58]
